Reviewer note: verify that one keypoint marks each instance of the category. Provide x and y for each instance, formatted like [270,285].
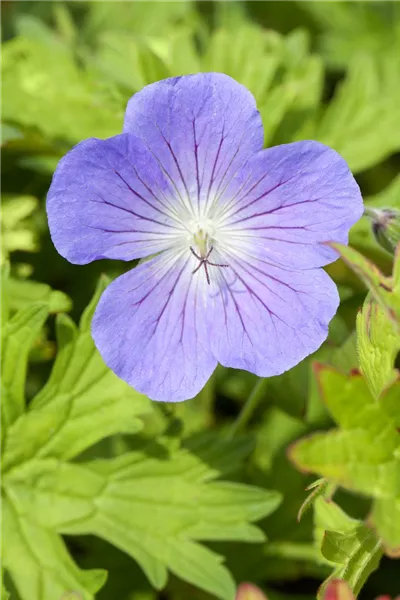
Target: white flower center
[201,234]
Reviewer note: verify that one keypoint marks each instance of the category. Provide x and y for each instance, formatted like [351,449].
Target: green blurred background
[319,70]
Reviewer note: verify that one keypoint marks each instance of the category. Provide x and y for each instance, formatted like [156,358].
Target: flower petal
[289,199]
[267,319]
[150,328]
[201,128]
[110,199]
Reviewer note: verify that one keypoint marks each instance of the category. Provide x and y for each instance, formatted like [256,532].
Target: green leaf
[391,406]
[365,448]
[273,110]
[41,163]
[378,345]
[17,232]
[328,516]
[82,402]
[38,561]
[228,51]
[5,306]
[348,544]
[23,292]
[349,28]
[10,133]
[40,78]
[33,28]
[362,120]
[222,455]
[178,52]
[64,23]
[18,335]
[385,290]
[385,517]
[17,208]
[286,81]
[137,18]
[156,504]
[129,61]
[363,454]
[358,554]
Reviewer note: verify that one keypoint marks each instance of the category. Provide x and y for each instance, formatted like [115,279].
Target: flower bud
[249,591]
[385,226]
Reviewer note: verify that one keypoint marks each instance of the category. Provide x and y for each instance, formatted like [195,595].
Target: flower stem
[249,407]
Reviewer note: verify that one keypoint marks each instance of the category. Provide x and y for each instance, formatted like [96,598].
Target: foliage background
[319,70]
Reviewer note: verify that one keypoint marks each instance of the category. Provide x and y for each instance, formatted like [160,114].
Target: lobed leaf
[39,78]
[82,402]
[362,120]
[363,454]
[38,561]
[348,544]
[128,61]
[155,504]
[257,75]
[358,554]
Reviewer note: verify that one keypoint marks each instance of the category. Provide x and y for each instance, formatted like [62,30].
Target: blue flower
[237,233]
